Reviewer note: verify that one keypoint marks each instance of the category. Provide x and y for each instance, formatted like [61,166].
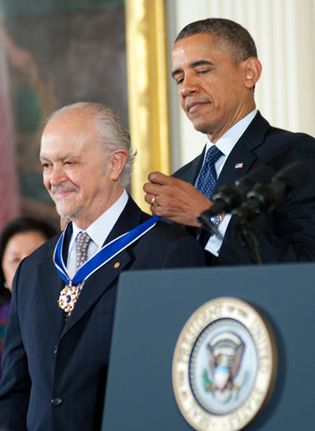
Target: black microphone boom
[229,197]
[264,197]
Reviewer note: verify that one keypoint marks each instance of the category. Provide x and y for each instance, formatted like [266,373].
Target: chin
[200,124]
[202,127]
[63,212]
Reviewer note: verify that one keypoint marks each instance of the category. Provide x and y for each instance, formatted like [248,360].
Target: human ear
[252,72]
[118,160]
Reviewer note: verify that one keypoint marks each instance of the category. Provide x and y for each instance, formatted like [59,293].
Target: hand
[174,199]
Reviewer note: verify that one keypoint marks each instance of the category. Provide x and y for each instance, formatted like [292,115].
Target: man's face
[76,170]
[212,87]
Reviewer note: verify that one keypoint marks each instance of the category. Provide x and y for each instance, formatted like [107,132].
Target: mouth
[195,106]
[61,193]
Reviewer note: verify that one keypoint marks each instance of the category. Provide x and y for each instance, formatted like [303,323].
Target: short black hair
[19,225]
[236,36]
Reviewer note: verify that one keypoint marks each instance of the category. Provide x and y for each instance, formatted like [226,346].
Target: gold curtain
[147,90]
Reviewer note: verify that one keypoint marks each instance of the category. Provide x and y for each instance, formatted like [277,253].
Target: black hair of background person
[20,225]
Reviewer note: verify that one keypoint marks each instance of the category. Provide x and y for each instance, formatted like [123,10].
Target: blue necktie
[207,178]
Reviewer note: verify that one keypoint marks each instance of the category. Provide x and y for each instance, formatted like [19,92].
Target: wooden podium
[153,307]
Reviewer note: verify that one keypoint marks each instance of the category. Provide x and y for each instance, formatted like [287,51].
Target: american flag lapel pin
[239,165]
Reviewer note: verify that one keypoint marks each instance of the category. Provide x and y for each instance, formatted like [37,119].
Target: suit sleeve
[15,381]
[184,252]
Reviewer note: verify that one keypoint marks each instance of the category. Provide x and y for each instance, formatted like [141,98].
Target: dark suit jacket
[54,371]
[287,234]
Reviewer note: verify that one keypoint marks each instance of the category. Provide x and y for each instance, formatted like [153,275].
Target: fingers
[153,189]
[163,190]
[152,200]
[159,183]
[161,179]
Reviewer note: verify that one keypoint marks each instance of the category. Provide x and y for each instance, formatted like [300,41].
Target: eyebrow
[193,65]
[45,157]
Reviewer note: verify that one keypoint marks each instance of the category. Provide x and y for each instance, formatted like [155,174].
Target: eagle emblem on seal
[225,353]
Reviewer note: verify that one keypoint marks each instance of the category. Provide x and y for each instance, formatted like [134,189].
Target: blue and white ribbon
[104,255]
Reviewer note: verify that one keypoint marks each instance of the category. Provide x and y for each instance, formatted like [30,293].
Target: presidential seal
[223,365]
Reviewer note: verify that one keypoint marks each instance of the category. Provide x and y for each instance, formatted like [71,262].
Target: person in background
[20,238]
[216,69]
[64,295]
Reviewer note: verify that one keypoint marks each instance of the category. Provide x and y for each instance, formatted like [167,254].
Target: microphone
[229,197]
[265,197]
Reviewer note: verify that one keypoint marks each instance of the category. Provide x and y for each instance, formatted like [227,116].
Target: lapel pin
[116,265]
[239,165]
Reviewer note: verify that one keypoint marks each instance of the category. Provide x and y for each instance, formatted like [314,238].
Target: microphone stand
[247,235]
[250,242]
[247,218]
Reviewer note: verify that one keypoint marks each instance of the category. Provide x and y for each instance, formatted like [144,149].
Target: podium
[152,309]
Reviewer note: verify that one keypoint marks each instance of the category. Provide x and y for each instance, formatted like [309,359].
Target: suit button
[55,350]
[56,402]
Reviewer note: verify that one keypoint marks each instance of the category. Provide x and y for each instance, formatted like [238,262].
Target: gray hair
[237,37]
[112,134]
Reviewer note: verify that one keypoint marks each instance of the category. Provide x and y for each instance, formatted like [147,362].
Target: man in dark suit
[59,333]
[215,67]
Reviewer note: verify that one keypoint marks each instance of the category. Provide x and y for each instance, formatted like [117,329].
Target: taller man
[216,68]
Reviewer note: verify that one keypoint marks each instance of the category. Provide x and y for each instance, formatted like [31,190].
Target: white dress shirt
[226,144]
[98,231]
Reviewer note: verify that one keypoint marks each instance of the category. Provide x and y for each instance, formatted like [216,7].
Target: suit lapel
[190,171]
[240,160]
[48,294]
[244,154]
[131,217]
[104,277]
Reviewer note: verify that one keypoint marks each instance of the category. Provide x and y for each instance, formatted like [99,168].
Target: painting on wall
[52,53]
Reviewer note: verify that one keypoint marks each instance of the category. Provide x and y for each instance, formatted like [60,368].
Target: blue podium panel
[152,308]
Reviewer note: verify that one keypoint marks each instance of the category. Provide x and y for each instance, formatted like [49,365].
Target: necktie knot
[82,245]
[213,155]
[207,178]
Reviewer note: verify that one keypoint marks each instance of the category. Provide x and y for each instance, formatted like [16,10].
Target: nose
[55,176]
[189,85]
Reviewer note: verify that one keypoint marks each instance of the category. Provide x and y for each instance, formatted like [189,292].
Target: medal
[70,293]
[68,297]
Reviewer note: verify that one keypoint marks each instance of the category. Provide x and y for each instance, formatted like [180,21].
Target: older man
[58,340]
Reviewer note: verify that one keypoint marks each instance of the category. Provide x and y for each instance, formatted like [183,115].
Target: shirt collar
[227,141]
[99,230]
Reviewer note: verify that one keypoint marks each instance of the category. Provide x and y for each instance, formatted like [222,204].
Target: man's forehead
[200,48]
[65,144]
[193,45]
[49,152]
[200,39]
[188,54]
